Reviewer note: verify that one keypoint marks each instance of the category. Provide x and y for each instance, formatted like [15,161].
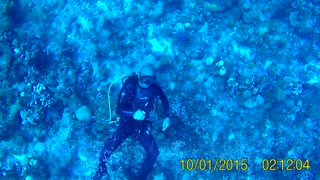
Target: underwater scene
[159,89]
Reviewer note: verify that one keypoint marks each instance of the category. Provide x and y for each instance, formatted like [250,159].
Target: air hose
[109,103]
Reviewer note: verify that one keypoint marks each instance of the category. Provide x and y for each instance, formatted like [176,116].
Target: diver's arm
[166,107]
[164,101]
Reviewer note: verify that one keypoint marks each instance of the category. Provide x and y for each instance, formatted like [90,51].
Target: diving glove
[139,115]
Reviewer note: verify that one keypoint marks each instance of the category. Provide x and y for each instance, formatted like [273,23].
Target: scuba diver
[135,102]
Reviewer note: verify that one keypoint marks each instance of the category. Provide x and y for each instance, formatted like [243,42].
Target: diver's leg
[121,133]
[148,142]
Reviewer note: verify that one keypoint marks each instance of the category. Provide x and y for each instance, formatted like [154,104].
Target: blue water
[242,78]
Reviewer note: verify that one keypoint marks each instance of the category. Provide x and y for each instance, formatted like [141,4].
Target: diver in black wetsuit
[135,102]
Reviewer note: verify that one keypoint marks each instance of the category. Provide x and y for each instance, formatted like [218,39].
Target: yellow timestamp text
[285,164]
[214,164]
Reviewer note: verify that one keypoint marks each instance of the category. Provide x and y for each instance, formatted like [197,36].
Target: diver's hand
[166,124]
[139,115]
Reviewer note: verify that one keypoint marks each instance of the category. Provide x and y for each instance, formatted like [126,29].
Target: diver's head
[146,76]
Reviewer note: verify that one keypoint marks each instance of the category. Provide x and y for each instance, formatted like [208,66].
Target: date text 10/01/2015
[214,165]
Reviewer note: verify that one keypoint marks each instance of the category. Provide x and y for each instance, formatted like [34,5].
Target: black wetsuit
[132,97]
